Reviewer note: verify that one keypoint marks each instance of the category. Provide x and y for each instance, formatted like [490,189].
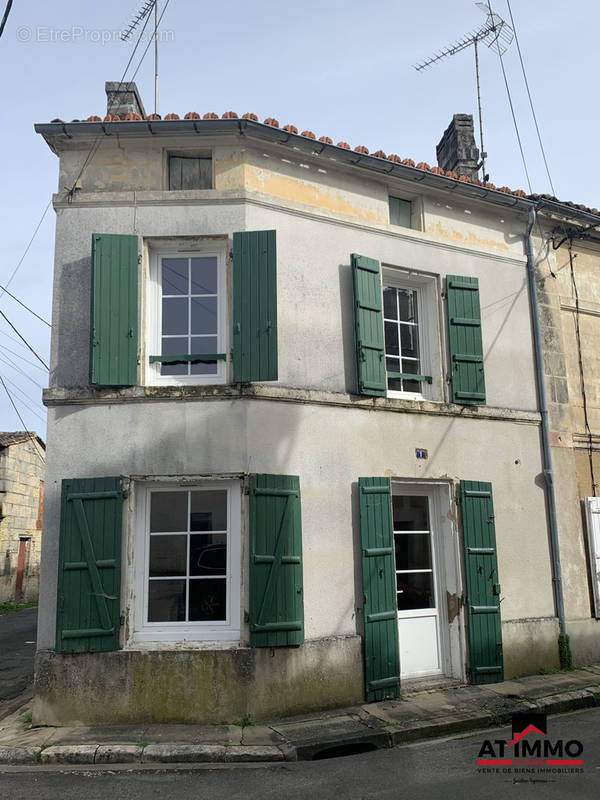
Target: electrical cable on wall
[588,431]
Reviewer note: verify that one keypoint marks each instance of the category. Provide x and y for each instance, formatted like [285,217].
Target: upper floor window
[402,351]
[409,318]
[400,212]
[187,172]
[187,326]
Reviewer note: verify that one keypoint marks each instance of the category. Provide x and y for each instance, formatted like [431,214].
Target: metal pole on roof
[156,57]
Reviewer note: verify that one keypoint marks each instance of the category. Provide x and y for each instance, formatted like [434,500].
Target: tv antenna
[495,34]
[141,15]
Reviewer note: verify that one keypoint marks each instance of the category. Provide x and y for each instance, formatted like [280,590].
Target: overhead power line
[39,358]
[32,436]
[96,143]
[21,303]
[539,136]
[5,17]
[38,226]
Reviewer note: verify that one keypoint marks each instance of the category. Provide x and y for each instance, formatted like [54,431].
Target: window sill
[184,644]
[88,395]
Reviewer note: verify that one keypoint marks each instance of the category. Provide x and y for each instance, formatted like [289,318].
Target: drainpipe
[546,452]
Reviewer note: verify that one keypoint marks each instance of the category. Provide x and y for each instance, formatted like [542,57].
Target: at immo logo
[530,746]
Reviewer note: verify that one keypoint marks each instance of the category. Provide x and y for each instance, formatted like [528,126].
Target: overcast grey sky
[339,68]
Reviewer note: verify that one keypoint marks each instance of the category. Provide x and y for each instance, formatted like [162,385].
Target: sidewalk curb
[373,737]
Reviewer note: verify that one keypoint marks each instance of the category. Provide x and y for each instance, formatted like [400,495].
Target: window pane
[177,346]
[413,550]
[400,212]
[390,310]
[204,315]
[166,601]
[174,315]
[391,339]
[204,276]
[208,599]
[208,554]
[415,591]
[409,339]
[168,555]
[174,276]
[413,368]
[410,513]
[408,306]
[168,512]
[209,511]
[200,345]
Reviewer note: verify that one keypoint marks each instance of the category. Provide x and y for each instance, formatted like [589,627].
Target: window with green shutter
[465,341]
[191,337]
[381,648]
[254,306]
[276,613]
[368,326]
[114,312]
[89,565]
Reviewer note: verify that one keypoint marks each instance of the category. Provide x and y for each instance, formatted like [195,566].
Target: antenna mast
[142,13]
[497,35]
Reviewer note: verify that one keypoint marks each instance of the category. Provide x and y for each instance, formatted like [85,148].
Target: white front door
[418,590]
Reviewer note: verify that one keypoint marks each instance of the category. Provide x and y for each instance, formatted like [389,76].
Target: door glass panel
[415,590]
[204,275]
[208,554]
[410,513]
[209,511]
[413,551]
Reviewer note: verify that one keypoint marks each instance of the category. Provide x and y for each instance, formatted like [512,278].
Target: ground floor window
[188,582]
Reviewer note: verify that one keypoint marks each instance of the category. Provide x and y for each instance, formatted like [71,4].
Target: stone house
[296,454]
[22,463]
[569,293]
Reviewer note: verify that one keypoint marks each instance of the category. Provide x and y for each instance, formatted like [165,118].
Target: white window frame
[208,631]
[428,327]
[592,518]
[154,313]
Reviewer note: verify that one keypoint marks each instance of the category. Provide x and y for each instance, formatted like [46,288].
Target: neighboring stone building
[569,292]
[294,440]
[22,463]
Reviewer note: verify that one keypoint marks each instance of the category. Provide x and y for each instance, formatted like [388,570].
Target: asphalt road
[17,649]
[441,770]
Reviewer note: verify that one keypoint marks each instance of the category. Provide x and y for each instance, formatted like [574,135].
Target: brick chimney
[122,99]
[457,150]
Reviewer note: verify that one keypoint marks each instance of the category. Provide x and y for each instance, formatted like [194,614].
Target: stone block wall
[21,487]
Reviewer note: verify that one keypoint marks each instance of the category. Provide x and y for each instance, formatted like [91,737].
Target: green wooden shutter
[114,322]
[89,565]
[483,587]
[254,306]
[466,347]
[276,602]
[368,326]
[382,658]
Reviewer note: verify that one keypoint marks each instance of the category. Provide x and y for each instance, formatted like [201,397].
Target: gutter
[311,147]
[543,409]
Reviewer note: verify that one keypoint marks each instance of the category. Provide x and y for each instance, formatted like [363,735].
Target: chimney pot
[123,99]
[457,151]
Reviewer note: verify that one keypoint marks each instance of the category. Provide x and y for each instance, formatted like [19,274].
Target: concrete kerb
[363,731]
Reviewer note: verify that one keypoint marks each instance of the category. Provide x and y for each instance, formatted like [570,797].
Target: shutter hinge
[139,258]
[122,620]
[246,617]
